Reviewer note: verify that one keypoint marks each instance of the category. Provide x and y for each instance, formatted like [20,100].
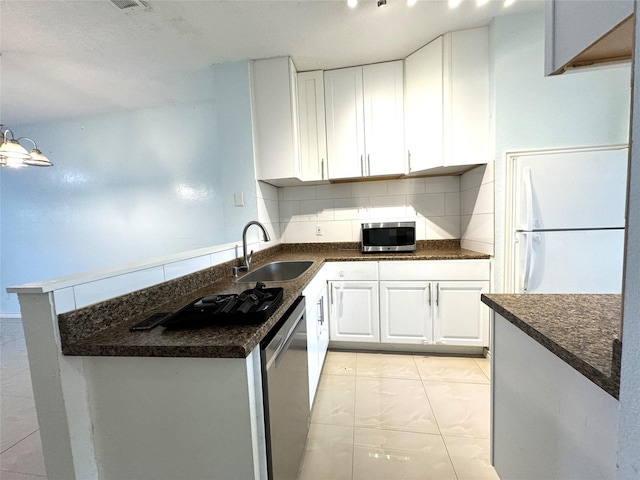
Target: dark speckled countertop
[583,330]
[103,329]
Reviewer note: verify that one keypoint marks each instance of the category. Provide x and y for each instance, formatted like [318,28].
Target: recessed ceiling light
[411,3]
[508,3]
[481,2]
[352,3]
[454,3]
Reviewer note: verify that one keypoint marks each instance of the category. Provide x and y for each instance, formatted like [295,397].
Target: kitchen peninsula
[555,383]
[109,408]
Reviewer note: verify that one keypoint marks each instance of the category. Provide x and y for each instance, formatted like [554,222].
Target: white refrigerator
[569,220]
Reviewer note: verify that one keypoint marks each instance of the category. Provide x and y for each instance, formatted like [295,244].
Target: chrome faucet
[247,258]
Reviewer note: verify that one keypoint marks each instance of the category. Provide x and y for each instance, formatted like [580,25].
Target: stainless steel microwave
[389,237]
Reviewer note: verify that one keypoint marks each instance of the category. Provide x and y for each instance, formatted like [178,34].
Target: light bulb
[352,3]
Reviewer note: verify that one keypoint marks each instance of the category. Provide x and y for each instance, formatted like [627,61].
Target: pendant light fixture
[13,154]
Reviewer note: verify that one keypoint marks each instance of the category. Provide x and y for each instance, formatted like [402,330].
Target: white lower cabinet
[460,317]
[317,329]
[354,311]
[405,312]
[414,303]
[440,313]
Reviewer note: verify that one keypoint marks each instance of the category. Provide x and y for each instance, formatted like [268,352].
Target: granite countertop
[581,329]
[103,329]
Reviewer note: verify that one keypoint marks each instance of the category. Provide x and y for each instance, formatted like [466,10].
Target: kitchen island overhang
[555,381]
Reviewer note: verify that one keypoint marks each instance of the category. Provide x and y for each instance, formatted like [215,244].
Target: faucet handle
[249,257]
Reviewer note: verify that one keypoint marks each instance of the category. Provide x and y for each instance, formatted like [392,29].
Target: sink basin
[276,272]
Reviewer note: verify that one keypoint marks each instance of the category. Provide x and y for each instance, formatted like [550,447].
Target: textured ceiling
[64,59]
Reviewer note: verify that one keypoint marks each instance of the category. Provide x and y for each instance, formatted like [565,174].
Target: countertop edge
[97,344]
[609,383]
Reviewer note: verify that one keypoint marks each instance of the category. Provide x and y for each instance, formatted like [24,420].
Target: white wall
[533,112]
[130,186]
[339,209]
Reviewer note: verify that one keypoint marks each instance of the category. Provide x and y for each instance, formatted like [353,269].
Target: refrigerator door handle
[528,193]
[530,259]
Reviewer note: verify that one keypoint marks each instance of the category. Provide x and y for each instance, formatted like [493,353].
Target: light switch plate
[238,199]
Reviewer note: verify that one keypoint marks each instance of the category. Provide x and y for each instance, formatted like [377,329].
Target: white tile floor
[376,416]
[388,416]
[20,447]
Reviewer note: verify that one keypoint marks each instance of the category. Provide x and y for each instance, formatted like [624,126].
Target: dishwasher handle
[284,348]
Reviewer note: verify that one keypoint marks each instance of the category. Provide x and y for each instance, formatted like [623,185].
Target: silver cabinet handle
[368,166]
[437,294]
[361,166]
[321,307]
[429,294]
[322,167]
[409,159]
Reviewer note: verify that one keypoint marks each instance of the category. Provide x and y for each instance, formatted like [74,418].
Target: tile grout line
[23,438]
[453,467]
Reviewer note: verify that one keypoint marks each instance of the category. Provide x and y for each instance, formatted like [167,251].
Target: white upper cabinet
[345,122]
[466,97]
[313,138]
[275,117]
[384,118]
[579,34]
[447,103]
[423,74]
[364,120]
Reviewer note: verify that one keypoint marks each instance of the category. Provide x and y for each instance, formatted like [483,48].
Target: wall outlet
[318,231]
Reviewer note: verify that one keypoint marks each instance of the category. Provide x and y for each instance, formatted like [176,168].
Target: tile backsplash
[336,211]
[448,207]
[477,209]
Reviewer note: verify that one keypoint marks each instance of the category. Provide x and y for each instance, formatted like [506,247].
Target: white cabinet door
[447,102]
[466,97]
[311,121]
[323,326]
[364,119]
[423,75]
[354,311]
[312,345]
[405,313]
[275,113]
[317,329]
[460,317]
[384,118]
[345,122]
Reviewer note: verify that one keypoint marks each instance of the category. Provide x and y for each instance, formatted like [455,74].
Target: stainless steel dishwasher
[286,393]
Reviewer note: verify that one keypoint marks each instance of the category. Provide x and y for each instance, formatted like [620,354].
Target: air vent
[130,4]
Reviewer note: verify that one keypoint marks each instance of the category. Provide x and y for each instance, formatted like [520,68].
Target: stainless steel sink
[276,272]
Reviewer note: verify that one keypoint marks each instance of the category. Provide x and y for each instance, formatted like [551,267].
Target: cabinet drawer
[351,270]
[435,270]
